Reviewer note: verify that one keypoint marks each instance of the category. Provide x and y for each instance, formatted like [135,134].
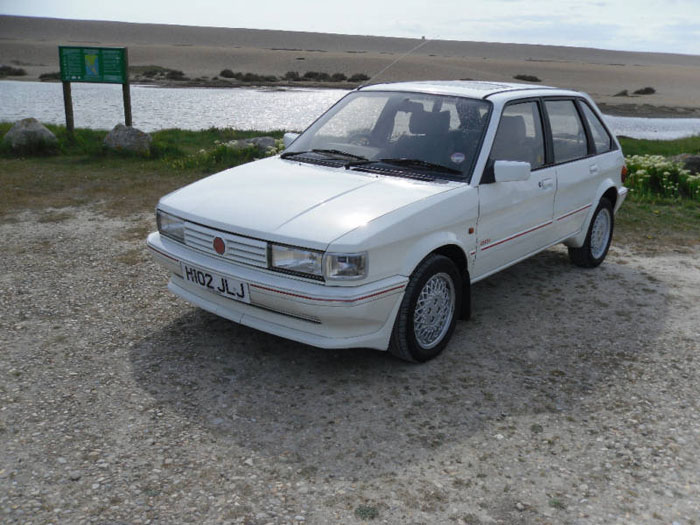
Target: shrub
[651,175]
[527,78]
[292,75]
[358,77]
[338,77]
[227,73]
[174,74]
[9,71]
[56,75]
[645,91]
[317,76]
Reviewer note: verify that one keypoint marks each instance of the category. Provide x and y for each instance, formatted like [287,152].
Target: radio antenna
[423,42]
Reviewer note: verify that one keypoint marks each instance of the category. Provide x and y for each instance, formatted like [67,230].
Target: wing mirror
[289,138]
[509,170]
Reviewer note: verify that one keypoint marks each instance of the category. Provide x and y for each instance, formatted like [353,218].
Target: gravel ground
[570,397]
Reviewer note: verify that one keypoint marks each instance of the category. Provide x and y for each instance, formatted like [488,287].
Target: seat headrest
[429,123]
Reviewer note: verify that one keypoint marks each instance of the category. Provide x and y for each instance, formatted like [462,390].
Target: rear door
[515,218]
[579,166]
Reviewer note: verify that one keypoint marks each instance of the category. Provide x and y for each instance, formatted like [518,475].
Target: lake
[99,106]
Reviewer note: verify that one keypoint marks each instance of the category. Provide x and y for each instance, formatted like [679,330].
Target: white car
[371,227]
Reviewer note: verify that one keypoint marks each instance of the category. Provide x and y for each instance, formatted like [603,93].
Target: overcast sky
[640,25]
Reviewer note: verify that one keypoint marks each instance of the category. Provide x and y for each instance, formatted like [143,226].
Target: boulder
[29,133]
[238,144]
[263,143]
[127,138]
[692,163]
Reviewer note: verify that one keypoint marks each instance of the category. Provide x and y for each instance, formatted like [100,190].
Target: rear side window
[601,139]
[519,136]
[568,134]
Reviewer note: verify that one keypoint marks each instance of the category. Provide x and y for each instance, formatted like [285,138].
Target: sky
[671,26]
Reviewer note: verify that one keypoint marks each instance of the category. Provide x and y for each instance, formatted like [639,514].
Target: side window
[568,135]
[519,136]
[601,139]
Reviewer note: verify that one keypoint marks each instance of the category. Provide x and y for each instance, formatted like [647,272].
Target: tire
[429,310]
[598,238]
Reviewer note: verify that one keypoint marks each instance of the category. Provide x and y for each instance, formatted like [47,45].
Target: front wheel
[428,312]
[598,238]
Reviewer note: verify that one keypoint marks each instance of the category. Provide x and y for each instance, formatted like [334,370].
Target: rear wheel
[429,310]
[598,238]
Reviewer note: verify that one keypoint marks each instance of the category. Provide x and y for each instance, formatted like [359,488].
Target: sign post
[107,65]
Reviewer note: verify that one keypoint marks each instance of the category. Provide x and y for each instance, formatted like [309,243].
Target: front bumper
[312,313]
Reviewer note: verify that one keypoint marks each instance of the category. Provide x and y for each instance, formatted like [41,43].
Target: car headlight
[345,265]
[289,259]
[170,226]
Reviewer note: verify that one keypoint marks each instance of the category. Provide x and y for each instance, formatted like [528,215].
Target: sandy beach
[203,52]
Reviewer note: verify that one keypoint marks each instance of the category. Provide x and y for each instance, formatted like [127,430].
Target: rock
[692,163]
[623,93]
[74,475]
[127,138]
[238,144]
[29,133]
[263,142]
[520,506]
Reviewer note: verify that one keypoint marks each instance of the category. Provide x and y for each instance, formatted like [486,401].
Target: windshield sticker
[457,157]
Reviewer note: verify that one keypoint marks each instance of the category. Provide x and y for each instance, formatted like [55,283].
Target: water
[99,106]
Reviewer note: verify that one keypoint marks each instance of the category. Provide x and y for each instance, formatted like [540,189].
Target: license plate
[218,284]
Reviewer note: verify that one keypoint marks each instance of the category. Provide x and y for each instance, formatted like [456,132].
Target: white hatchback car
[370,228]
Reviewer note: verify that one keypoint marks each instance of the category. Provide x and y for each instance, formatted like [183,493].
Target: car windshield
[397,133]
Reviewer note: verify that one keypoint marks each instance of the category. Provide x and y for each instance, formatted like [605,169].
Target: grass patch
[659,224]
[366,512]
[119,183]
[660,147]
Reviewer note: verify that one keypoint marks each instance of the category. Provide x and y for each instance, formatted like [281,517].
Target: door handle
[593,169]
[546,183]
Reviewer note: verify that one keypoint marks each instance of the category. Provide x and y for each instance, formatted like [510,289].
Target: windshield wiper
[418,163]
[340,153]
[331,152]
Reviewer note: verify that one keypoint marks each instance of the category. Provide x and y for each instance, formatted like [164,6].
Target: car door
[515,218]
[579,169]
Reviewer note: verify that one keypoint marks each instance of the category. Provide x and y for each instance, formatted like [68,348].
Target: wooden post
[68,103]
[126,90]
[127,104]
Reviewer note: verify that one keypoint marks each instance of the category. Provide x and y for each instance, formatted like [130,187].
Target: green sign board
[93,64]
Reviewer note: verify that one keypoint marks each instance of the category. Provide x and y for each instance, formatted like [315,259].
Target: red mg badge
[219,245]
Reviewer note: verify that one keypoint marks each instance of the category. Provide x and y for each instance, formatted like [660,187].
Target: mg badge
[219,245]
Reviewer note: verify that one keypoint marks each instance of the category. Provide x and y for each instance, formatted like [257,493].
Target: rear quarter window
[601,138]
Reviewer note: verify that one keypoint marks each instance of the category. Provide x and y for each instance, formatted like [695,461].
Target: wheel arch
[449,247]
[607,190]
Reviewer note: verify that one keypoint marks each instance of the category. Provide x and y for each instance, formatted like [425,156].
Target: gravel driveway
[571,397]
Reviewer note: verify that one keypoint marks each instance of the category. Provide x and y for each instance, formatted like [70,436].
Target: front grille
[241,250]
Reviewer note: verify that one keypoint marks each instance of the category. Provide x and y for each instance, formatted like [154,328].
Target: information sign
[93,64]
[107,65]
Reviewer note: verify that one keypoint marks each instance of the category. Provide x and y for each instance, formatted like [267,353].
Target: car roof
[471,88]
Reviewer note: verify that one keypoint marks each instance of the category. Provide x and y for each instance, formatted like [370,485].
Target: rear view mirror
[509,170]
[289,138]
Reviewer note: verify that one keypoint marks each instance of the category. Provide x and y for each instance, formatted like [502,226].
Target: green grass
[167,143]
[83,172]
[660,147]
[658,225]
